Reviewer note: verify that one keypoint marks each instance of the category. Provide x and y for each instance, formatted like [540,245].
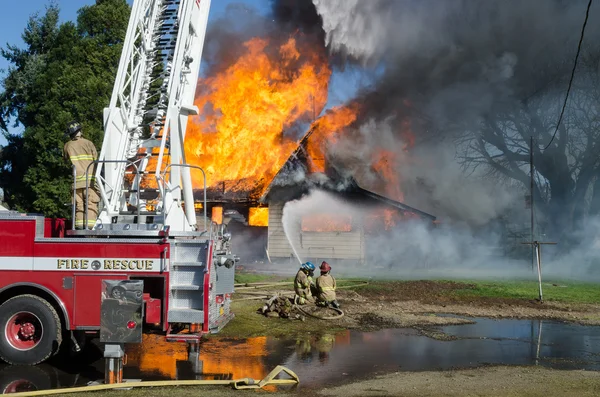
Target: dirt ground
[493,381]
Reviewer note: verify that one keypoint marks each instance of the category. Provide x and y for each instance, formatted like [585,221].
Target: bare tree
[566,179]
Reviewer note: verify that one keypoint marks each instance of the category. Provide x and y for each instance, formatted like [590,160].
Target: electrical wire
[587,14]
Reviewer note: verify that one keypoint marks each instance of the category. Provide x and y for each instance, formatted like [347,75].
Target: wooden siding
[314,245]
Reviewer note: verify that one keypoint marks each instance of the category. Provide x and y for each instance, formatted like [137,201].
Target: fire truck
[147,228]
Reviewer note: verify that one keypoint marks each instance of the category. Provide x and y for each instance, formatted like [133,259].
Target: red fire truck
[52,279]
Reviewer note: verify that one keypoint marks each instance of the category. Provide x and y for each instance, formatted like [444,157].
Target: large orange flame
[258,216]
[246,108]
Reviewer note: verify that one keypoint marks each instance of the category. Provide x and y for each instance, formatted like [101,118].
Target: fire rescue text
[109,264]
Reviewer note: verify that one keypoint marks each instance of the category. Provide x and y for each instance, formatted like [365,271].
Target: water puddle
[326,359]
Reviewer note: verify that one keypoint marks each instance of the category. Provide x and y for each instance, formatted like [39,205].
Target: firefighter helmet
[308,266]
[325,267]
[73,128]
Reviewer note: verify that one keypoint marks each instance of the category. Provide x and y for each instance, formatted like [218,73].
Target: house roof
[293,181]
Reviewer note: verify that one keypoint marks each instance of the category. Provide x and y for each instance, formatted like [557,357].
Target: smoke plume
[447,67]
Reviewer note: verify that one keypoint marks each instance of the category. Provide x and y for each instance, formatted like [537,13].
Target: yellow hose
[238,384]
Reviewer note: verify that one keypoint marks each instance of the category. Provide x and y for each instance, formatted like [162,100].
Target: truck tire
[30,330]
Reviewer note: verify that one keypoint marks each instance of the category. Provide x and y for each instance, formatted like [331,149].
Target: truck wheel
[30,330]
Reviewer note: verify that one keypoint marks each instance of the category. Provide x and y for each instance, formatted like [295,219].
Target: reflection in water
[323,359]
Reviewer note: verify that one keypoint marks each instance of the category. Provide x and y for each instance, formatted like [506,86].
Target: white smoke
[412,249]
[457,62]
[418,249]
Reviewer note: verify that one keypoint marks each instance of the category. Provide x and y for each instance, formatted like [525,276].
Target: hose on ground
[238,384]
[299,308]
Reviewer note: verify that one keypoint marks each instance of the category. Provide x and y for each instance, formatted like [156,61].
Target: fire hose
[299,308]
[238,384]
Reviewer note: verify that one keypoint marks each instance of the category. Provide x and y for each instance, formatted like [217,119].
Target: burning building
[250,137]
[341,217]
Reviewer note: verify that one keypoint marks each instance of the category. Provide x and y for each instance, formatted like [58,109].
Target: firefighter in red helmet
[326,286]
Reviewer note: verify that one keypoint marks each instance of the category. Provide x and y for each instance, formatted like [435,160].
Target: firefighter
[326,287]
[304,282]
[81,152]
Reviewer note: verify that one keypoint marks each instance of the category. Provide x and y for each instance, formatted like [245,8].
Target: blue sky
[15,15]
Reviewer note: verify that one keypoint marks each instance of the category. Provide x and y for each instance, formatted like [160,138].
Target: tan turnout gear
[326,288]
[302,284]
[81,153]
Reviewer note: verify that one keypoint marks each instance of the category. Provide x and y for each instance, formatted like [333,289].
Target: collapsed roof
[294,180]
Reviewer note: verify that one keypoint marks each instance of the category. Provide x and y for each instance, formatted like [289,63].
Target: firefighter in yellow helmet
[326,286]
[303,283]
[81,152]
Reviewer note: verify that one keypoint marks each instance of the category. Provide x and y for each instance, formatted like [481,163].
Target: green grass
[553,290]
[556,291]
[248,323]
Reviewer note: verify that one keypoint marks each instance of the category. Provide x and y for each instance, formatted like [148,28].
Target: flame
[258,216]
[384,163]
[382,219]
[217,215]
[245,109]
[326,223]
[326,129]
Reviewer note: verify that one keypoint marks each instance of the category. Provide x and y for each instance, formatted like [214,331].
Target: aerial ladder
[146,121]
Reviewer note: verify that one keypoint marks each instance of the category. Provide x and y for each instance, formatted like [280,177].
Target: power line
[587,14]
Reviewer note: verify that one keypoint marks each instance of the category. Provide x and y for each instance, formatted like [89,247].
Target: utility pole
[537,246]
[531,202]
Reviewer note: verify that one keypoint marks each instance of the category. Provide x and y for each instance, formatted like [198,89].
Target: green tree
[66,72]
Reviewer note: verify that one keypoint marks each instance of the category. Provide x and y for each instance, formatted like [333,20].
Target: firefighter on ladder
[326,286]
[303,283]
[81,152]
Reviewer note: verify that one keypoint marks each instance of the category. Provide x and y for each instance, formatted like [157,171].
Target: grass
[554,291]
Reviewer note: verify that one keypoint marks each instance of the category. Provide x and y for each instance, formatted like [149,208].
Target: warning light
[131,325]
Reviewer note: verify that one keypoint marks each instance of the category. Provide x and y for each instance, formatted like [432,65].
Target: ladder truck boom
[143,121]
[147,246]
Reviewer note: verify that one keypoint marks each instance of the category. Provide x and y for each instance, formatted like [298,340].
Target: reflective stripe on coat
[326,287]
[81,153]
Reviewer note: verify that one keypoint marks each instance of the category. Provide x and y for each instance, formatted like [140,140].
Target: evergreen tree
[66,72]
